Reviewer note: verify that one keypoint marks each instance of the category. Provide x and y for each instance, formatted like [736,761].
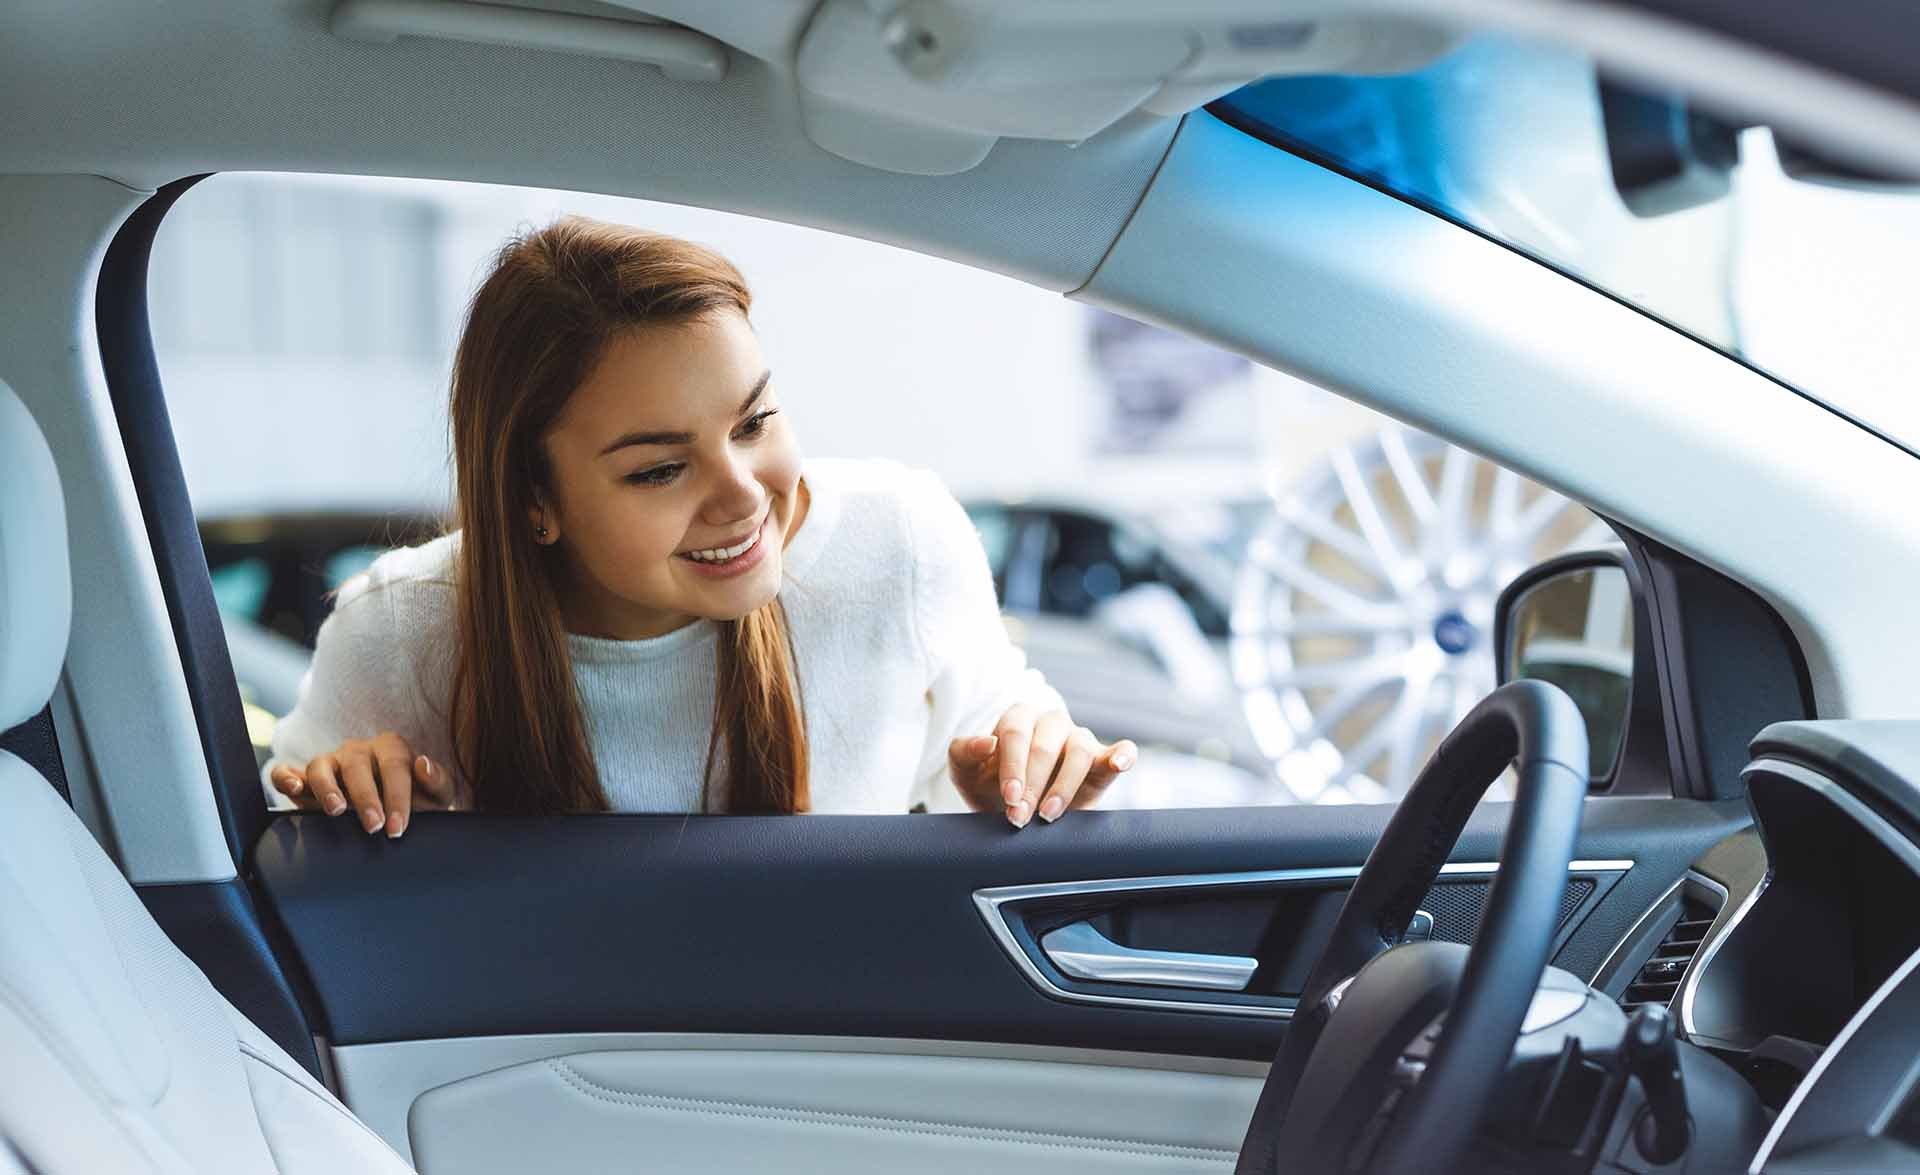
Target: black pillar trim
[216,924]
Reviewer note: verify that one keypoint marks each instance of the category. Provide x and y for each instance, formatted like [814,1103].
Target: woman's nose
[738,498]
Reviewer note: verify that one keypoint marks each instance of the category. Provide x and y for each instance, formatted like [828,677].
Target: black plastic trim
[1729,665]
[215,925]
[37,743]
[146,432]
[474,925]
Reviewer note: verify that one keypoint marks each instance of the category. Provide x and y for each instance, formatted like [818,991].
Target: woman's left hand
[1036,761]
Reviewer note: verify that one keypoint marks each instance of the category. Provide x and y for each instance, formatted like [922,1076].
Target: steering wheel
[1366,1080]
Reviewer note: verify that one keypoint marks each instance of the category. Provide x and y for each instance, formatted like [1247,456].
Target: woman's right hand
[380,778]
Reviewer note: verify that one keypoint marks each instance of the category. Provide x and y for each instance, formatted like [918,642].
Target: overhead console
[928,86]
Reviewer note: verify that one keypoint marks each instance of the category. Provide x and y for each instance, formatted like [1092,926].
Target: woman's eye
[757,423]
[659,475]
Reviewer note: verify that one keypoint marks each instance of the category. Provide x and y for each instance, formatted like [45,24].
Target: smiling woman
[647,578]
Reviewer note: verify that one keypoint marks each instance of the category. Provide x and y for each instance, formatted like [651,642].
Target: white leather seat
[116,1054]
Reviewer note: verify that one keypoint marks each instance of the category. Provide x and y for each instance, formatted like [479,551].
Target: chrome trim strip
[1083,952]
[989,901]
[1844,800]
[1879,996]
[1690,983]
[1613,955]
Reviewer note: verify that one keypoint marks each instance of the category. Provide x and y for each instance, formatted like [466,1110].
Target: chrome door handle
[1084,953]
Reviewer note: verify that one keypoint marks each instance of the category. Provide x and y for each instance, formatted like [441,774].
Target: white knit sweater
[896,633]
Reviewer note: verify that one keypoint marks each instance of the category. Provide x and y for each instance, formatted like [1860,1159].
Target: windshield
[1811,282]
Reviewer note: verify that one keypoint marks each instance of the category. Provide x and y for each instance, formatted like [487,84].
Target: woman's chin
[735,597]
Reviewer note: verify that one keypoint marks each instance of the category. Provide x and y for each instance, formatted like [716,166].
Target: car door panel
[819,926]
[798,1109]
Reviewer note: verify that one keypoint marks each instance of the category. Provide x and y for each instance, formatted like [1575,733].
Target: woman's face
[675,482]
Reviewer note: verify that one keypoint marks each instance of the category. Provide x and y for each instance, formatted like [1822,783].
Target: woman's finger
[356,771]
[323,781]
[1014,732]
[395,761]
[971,751]
[970,764]
[1075,762]
[291,782]
[1108,766]
[1050,733]
[432,786]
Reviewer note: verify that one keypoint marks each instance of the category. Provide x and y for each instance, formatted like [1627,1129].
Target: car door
[855,992]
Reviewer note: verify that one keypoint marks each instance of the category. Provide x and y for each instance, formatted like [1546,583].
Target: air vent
[1659,978]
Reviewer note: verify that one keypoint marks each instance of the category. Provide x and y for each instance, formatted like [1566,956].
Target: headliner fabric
[172,90]
[36,595]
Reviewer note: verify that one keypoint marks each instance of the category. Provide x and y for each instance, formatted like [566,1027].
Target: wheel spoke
[1327,531]
[1304,579]
[1449,531]
[1366,511]
[1329,713]
[1371,669]
[1315,624]
[1504,507]
[1538,516]
[1407,475]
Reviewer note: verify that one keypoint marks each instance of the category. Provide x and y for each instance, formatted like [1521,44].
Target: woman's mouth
[732,559]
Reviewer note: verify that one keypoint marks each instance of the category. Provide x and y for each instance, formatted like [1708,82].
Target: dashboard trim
[1860,1016]
[1846,801]
[1690,984]
[1850,806]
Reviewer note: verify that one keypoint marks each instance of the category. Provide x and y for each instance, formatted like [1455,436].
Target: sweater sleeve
[356,685]
[974,671]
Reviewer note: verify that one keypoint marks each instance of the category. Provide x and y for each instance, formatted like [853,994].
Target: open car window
[1281,596]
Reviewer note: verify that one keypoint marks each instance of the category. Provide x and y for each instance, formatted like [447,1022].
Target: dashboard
[1807,979]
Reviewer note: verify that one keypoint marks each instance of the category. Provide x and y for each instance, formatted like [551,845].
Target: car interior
[1685,944]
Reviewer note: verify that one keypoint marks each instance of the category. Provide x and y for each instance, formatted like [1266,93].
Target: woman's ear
[546,528]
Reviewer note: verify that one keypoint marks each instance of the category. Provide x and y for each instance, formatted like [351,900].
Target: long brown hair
[536,327]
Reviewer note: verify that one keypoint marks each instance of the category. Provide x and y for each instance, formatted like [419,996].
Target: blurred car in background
[274,576]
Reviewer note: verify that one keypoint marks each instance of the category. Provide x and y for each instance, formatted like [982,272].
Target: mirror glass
[1575,630]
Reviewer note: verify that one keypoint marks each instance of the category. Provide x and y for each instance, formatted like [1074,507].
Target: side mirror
[1577,621]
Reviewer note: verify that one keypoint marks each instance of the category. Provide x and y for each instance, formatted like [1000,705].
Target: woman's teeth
[725,554]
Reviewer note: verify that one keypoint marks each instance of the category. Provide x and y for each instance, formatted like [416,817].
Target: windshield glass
[1810,281]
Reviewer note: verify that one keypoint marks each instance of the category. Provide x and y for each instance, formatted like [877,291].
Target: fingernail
[1011,790]
[295,787]
[396,824]
[370,817]
[335,805]
[1122,761]
[1022,813]
[425,765]
[1051,809]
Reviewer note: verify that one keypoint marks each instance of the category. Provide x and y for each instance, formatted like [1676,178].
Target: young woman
[652,604]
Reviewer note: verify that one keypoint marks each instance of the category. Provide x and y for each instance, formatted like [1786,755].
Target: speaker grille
[1458,906]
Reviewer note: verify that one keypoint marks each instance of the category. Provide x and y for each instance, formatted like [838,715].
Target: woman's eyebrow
[685,438]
